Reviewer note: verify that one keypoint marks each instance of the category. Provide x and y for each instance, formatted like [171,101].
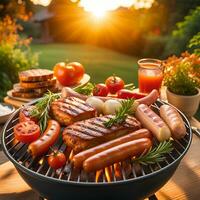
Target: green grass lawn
[98,62]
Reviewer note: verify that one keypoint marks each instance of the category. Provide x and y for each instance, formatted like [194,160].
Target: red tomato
[114,84]
[24,114]
[57,160]
[128,94]
[100,90]
[27,132]
[69,74]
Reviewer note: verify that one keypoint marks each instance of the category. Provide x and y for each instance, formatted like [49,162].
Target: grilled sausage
[79,158]
[117,154]
[153,122]
[150,98]
[49,137]
[173,120]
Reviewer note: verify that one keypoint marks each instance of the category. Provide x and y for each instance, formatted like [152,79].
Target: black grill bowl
[136,188]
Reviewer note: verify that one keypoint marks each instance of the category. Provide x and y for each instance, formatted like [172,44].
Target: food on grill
[114,83]
[128,94]
[111,106]
[173,120]
[150,120]
[26,132]
[92,132]
[79,158]
[116,154]
[70,110]
[56,159]
[24,114]
[95,103]
[48,138]
[35,75]
[150,98]
[69,74]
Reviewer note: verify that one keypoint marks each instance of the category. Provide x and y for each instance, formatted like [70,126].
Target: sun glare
[100,7]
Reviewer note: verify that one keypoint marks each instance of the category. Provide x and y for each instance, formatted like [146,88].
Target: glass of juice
[150,74]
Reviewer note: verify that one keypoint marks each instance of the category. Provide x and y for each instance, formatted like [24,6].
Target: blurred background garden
[105,36]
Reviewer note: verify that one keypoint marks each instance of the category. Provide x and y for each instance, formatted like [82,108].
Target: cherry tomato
[27,132]
[24,114]
[57,160]
[128,94]
[114,84]
[100,90]
[69,74]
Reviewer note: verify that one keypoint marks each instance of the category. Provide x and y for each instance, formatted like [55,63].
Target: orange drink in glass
[150,74]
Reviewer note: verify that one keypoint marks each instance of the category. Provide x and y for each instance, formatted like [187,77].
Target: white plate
[84,80]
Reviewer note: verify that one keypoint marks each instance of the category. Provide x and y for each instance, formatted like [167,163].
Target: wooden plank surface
[13,102]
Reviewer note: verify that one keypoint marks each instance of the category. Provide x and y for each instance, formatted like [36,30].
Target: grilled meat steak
[91,132]
[70,110]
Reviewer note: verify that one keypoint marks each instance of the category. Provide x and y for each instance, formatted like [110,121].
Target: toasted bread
[39,84]
[27,95]
[18,88]
[34,75]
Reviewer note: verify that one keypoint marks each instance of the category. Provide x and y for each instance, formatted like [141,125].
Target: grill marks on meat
[69,110]
[91,132]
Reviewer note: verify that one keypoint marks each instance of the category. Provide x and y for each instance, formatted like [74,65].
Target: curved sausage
[49,137]
[117,154]
[150,98]
[153,122]
[79,158]
[173,120]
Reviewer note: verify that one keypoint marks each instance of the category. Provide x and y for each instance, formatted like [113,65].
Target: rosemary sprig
[121,114]
[156,154]
[86,89]
[42,107]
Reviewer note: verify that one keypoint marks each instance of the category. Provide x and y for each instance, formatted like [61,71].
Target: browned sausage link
[150,120]
[150,98]
[173,120]
[49,137]
[79,158]
[117,154]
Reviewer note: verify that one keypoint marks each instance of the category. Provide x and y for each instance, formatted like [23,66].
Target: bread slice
[34,75]
[18,88]
[35,93]
[39,84]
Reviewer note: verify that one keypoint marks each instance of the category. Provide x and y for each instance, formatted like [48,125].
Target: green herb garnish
[130,86]
[156,154]
[42,107]
[85,89]
[121,115]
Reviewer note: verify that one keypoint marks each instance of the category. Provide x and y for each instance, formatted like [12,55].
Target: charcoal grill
[123,180]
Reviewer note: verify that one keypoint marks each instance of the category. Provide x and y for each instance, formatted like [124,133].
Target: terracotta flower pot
[187,104]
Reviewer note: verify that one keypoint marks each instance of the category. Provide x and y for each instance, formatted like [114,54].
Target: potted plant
[182,79]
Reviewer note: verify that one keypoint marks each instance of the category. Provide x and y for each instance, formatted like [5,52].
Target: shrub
[15,54]
[183,34]
[182,74]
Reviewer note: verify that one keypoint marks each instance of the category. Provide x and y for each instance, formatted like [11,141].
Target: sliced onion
[96,103]
[111,106]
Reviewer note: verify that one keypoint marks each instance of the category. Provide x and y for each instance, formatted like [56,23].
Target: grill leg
[153,197]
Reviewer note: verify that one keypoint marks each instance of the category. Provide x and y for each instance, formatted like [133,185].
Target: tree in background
[15,54]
